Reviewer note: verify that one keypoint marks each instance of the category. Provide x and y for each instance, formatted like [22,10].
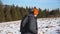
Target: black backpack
[23,23]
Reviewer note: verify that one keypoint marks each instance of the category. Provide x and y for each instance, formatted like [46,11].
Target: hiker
[29,22]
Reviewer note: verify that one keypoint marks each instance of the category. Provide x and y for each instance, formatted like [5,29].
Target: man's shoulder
[30,15]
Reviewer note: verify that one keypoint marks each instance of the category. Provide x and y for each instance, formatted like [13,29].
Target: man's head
[35,11]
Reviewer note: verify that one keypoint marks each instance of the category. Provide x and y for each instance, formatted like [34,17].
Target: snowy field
[45,26]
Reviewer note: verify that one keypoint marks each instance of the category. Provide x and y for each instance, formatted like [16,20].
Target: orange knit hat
[35,12]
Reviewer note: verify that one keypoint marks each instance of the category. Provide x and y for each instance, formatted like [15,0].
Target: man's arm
[32,24]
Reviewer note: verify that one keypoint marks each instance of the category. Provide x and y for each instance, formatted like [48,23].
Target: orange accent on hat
[35,12]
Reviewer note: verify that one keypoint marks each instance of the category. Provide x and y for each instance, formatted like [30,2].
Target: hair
[34,7]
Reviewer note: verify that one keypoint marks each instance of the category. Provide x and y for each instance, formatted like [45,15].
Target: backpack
[23,23]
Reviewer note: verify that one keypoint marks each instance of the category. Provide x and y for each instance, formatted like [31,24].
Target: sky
[43,4]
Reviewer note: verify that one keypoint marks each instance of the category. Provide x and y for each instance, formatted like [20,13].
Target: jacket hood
[31,11]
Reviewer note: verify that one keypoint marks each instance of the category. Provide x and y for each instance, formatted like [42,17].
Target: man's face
[35,15]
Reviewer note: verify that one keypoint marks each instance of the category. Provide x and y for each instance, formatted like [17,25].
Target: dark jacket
[29,25]
[32,24]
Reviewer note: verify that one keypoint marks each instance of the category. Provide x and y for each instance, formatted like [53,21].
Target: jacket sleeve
[32,24]
[23,22]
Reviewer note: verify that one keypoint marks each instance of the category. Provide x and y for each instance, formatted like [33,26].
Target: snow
[45,26]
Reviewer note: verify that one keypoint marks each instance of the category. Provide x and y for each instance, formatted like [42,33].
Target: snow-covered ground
[45,26]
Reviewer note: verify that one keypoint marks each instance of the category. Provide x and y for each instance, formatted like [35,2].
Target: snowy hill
[45,26]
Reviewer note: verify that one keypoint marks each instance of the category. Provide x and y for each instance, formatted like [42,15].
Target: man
[29,22]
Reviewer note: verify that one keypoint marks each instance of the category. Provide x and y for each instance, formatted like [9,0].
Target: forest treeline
[13,13]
